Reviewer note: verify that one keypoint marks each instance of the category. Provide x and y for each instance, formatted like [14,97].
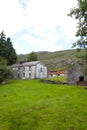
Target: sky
[38,25]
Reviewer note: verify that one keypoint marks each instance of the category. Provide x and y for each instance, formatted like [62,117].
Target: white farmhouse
[29,70]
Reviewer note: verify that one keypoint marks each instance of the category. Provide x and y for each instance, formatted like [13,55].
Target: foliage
[80,13]
[3,61]
[6,49]
[32,105]
[32,57]
[5,71]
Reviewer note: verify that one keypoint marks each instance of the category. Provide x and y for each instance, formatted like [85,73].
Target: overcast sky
[38,25]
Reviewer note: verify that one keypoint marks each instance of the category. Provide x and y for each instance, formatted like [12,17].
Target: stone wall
[75,73]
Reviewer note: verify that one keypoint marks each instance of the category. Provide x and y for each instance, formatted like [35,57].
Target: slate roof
[33,63]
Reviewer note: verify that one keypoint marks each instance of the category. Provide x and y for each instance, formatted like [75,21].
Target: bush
[5,73]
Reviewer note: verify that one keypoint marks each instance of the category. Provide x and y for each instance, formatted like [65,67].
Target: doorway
[81,78]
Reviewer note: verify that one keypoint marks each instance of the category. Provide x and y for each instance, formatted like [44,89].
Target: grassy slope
[66,54]
[32,105]
[58,60]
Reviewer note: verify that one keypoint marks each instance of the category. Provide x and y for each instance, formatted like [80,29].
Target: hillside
[59,60]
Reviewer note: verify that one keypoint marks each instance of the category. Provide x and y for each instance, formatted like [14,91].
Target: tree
[32,57]
[80,14]
[6,49]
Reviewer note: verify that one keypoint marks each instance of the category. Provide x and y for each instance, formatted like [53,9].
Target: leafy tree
[80,14]
[6,49]
[32,57]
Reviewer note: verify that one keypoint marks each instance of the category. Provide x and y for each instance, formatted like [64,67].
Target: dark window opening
[18,75]
[29,75]
[41,69]
[30,68]
[81,78]
[23,74]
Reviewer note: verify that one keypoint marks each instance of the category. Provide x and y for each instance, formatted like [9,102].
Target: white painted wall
[41,71]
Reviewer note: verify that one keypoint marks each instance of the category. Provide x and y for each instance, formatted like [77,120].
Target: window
[18,75]
[29,75]
[19,68]
[41,69]
[51,75]
[23,74]
[30,68]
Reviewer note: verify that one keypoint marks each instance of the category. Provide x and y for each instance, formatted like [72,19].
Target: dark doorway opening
[81,78]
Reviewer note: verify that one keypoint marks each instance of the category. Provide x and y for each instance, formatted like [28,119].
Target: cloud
[23,3]
[36,25]
[11,16]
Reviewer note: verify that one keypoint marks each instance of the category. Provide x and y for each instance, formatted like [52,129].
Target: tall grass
[32,105]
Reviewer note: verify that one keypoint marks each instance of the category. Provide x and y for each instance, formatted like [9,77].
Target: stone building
[76,74]
[29,70]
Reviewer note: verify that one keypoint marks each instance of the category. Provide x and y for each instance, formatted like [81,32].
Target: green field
[58,78]
[32,105]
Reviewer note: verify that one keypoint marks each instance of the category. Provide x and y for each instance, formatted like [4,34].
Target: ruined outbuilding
[76,74]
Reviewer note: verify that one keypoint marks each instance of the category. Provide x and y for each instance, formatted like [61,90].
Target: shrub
[5,73]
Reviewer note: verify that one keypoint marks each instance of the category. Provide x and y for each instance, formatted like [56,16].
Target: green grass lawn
[32,105]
